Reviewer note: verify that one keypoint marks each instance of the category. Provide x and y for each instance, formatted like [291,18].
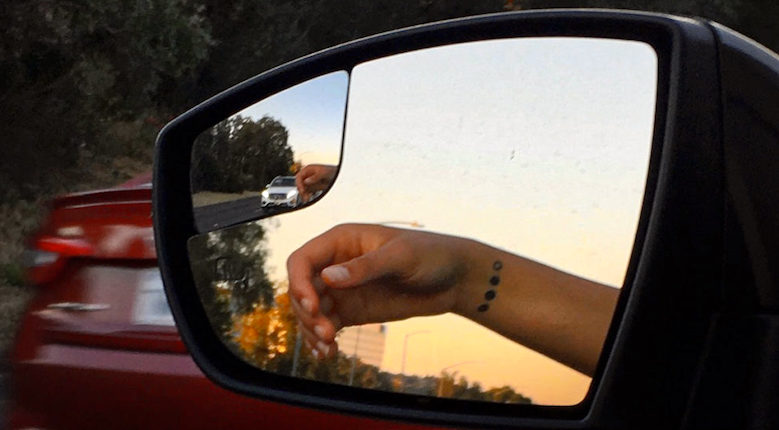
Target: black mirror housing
[714,143]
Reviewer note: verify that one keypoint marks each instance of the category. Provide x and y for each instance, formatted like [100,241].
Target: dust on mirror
[246,166]
[536,148]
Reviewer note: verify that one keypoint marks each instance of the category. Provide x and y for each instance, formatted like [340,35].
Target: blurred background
[85,85]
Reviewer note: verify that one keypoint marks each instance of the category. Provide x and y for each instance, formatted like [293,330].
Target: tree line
[86,82]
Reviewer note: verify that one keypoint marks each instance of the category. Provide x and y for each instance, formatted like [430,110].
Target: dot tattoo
[494,280]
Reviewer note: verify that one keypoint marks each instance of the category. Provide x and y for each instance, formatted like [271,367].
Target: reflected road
[225,214]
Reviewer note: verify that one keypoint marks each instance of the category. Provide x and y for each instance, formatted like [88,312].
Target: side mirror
[539,176]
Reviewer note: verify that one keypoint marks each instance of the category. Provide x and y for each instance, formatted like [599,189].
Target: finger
[319,285]
[301,188]
[394,259]
[332,350]
[318,347]
[335,320]
[322,327]
[302,315]
[301,266]
[310,341]
[326,305]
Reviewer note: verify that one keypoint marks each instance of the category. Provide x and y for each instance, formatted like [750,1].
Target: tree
[228,267]
[240,154]
[266,335]
[79,80]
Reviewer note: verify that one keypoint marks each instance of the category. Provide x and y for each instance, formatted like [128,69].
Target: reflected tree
[266,335]
[240,154]
[228,267]
[448,385]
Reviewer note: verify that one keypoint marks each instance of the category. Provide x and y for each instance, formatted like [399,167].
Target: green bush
[12,274]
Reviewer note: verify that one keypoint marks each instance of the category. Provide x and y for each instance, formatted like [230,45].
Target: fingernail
[307,305]
[320,331]
[315,353]
[336,273]
[322,347]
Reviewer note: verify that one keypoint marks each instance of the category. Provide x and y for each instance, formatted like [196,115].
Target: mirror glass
[244,167]
[537,147]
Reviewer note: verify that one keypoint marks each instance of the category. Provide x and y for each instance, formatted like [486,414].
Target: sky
[313,113]
[536,146]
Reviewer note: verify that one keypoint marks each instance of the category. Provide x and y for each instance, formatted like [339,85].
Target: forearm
[557,314]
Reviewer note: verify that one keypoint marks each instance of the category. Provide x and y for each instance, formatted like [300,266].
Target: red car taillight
[48,256]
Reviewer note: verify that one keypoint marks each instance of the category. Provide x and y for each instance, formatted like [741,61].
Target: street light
[460,364]
[354,356]
[405,345]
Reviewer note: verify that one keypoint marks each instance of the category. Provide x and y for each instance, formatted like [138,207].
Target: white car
[281,192]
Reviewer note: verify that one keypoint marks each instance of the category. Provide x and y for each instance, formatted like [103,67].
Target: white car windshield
[287,181]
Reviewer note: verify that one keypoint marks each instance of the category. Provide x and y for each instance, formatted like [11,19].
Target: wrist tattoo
[494,280]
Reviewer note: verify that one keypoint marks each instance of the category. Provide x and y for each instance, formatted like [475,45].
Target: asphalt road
[220,215]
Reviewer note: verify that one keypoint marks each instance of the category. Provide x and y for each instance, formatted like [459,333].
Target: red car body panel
[95,351]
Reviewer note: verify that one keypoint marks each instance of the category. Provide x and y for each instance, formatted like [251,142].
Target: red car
[98,348]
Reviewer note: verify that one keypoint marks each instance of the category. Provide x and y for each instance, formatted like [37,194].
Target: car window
[284,182]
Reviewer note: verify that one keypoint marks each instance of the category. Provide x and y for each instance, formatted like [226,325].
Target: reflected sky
[313,113]
[536,146]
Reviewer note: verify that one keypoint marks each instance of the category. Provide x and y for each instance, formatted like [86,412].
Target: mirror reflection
[475,238]
[271,157]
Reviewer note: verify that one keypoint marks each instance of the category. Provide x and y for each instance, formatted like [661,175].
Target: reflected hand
[313,178]
[357,274]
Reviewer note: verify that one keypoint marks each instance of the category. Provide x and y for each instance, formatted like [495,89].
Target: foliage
[229,272]
[266,336]
[448,385]
[13,274]
[240,154]
[82,79]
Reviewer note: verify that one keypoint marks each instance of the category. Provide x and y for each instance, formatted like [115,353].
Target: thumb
[382,262]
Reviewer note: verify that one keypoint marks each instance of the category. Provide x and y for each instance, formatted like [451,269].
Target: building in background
[366,341]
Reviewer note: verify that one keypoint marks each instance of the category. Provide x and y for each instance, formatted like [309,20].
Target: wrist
[481,281]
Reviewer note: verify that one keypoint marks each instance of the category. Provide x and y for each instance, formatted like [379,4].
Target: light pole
[354,356]
[405,345]
[296,355]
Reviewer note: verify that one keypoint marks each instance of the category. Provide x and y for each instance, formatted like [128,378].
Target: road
[220,215]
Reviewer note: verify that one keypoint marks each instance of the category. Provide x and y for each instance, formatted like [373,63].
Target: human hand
[360,273]
[313,178]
